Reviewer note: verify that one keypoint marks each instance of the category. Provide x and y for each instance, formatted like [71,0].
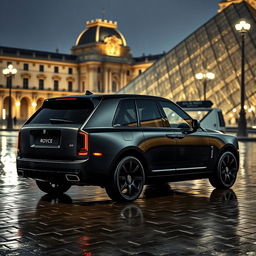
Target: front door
[192,148]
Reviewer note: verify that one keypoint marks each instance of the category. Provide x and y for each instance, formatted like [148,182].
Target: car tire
[226,170]
[127,181]
[52,188]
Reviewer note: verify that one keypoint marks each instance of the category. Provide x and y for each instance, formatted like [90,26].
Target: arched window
[24,105]
[114,86]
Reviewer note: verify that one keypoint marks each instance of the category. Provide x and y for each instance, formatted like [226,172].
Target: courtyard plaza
[182,218]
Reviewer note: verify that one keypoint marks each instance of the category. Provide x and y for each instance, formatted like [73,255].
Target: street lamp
[242,27]
[9,72]
[204,77]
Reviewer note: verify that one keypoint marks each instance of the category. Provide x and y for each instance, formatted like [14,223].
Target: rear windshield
[64,112]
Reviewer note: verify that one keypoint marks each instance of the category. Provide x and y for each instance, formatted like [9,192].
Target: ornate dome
[100,31]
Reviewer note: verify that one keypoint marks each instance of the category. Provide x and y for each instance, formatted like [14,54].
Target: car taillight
[83,146]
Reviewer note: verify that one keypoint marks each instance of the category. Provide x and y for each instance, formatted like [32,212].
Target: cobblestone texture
[184,218]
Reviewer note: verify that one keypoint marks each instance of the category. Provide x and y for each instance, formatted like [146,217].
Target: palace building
[100,62]
[214,47]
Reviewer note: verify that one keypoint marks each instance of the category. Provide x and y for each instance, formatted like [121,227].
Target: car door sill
[180,169]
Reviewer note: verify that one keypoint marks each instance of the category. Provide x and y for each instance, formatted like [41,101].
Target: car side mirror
[195,124]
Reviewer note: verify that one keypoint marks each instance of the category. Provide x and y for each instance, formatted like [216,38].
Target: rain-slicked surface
[183,218]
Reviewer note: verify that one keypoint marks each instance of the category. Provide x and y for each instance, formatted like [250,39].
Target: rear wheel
[128,180]
[52,188]
[226,172]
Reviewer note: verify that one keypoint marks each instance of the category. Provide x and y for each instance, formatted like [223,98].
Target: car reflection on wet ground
[183,218]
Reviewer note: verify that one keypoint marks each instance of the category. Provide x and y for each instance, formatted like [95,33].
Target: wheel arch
[232,149]
[130,151]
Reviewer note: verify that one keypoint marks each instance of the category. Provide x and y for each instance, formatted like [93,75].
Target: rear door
[159,148]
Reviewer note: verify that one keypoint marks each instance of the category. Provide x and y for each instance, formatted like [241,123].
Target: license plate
[47,141]
[45,138]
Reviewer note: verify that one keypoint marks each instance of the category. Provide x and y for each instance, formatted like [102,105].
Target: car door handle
[175,136]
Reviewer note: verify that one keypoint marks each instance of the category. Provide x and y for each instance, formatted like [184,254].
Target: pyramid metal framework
[215,47]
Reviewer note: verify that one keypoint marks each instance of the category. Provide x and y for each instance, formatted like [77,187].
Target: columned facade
[100,62]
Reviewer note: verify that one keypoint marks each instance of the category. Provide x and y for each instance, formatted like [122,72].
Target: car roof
[110,96]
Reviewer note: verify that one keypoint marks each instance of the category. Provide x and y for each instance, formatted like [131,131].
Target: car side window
[175,116]
[149,114]
[126,114]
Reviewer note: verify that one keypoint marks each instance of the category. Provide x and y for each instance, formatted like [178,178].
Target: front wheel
[52,188]
[226,172]
[128,180]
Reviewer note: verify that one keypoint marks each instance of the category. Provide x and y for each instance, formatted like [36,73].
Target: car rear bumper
[53,170]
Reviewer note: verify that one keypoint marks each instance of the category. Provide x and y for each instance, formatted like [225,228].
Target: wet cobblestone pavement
[184,218]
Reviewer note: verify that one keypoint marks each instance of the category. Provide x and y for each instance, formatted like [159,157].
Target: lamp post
[204,77]
[9,72]
[242,27]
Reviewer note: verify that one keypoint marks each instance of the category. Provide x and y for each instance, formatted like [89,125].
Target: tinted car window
[126,114]
[63,111]
[176,117]
[149,114]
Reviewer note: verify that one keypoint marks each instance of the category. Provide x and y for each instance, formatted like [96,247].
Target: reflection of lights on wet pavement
[188,218]
[85,242]
[8,173]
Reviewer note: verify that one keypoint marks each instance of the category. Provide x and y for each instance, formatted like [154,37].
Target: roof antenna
[88,93]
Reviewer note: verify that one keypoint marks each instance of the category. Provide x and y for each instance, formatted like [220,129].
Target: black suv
[121,142]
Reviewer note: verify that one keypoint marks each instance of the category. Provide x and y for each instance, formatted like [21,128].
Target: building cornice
[38,61]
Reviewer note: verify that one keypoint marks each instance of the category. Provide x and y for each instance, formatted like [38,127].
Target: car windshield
[64,112]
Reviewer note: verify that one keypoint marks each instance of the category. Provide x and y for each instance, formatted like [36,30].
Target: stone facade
[100,62]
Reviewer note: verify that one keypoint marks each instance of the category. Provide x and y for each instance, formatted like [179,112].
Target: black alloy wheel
[52,188]
[128,180]
[226,173]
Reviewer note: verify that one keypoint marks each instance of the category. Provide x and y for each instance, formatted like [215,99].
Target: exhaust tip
[72,177]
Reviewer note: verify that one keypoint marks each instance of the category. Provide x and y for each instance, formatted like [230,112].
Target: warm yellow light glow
[206,75]
[230,115]
[245,107]
[234,110]
[4,114]
[243,26]
[17,103]
[210,75]
[113,45]
[34,104]
[10,70]
[199,76]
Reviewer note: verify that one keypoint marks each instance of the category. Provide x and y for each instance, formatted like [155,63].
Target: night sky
[149,26]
